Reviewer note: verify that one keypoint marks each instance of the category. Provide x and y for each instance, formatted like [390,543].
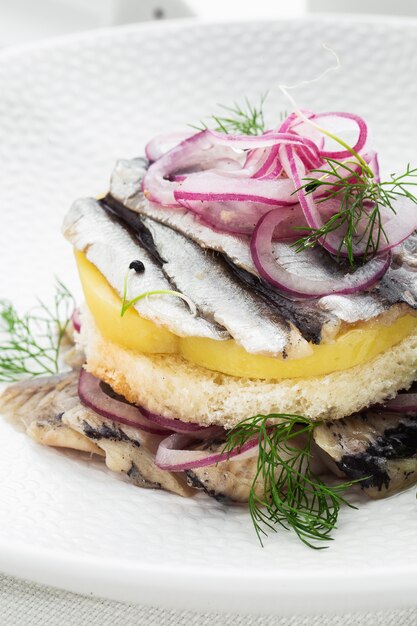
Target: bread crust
[171,386]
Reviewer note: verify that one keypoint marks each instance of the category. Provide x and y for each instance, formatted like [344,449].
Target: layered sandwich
[249,322]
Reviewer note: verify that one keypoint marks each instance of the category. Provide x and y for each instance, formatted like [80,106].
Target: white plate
[68,109]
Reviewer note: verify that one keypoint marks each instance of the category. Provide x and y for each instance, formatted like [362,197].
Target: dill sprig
[127,304]
[285,490]
[362,201]
[246,119]
[30,344]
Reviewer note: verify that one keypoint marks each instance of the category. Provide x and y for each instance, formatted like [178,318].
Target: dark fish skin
[133,221]
[138,479]
[377,449]
[399,284]
[308,319]
[202,484]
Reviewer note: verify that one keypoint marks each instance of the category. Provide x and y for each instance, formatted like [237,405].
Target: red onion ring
[398,226]
[76,320]
[218,187]
[229,214]
[269,163]
[196,431]
[371,157]
[360,142]
[204,149]
[199,150]
[404,402]
[161,144]
[172,456]
[92,395]
[293,120]
[271,138]
[303,287]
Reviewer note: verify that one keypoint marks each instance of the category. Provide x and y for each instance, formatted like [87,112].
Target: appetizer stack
[249,321]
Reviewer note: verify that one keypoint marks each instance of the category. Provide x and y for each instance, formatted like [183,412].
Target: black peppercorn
[138,266]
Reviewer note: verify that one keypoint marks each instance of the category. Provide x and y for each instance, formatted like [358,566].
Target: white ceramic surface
[68,109]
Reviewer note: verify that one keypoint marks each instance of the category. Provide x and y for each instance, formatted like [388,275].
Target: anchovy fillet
[51,413]
[218,294]
[378,449]
[111,248]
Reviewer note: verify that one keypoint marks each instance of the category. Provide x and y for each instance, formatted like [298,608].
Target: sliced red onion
[279,274]
[294,122]
[267,161]
[397,226]
[371,157]
[254,159]
[177,426]
[203,150]
[76,320]
[219,187]
[197,151]
[92,395]
[296,170]
[161,144]
[275,172]
[271,138]
[360,141]
[263,162]
[235,205]
[404,402]
[173,456]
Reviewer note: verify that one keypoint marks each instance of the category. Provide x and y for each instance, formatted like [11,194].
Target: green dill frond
[362,202]
[30,344]
[127,304]
[245,119]
[285,491]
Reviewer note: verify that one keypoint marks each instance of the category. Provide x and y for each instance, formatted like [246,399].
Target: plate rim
[408,22]
[89,575]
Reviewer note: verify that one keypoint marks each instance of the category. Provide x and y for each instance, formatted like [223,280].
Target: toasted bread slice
[171,386]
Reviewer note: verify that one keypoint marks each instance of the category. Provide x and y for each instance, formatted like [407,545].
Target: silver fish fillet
[202,276]
[233,479]
[111,248]
[128,451]
[51,413]
[378,449]
[39,398]
[228,480]
[398,286]
[37,405]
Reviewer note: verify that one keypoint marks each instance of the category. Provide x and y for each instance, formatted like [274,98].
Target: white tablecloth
[27,604]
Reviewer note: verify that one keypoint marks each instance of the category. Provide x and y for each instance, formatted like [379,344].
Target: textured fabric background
[27,604]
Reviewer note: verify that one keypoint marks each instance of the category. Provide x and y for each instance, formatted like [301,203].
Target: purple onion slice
[404,402]
[172,454]
[76,320]
[196,431]
[92,394]
[281,272]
